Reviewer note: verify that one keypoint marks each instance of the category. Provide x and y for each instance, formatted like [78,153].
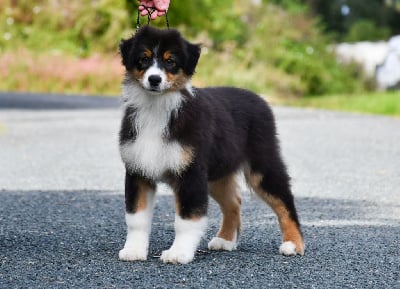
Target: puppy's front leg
[191,215]
[139,202]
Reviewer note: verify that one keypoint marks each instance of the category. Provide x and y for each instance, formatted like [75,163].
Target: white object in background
[387,74]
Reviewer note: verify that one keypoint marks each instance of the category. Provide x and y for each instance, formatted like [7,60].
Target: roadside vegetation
[384,103]
[277,48]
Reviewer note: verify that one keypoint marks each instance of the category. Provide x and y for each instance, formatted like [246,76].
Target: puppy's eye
[170,62]
[145,60]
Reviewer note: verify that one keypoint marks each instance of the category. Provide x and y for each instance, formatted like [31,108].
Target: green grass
[384,103]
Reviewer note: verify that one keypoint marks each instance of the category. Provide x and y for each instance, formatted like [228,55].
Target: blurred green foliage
[356,20]
[263,47]
[366,30]
[221,19]
[77,27]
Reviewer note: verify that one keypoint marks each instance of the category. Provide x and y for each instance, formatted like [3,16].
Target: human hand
[160,6]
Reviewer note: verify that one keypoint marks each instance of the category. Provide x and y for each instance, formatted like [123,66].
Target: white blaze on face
[156,71]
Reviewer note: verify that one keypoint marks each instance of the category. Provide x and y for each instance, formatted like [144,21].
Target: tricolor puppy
[196,140]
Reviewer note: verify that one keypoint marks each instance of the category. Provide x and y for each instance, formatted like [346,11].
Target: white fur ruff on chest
[151,153]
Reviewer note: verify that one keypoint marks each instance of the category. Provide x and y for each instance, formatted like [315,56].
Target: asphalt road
[62,218]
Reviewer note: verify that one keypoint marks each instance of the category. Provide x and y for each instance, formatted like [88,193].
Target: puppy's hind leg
[226,192]
[273,186]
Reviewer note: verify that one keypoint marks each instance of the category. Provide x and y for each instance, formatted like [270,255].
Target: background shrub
[270,48]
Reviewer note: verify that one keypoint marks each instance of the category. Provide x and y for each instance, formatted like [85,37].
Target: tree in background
[220,19]
[356,20]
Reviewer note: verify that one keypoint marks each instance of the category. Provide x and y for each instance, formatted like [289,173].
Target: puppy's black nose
[154,80]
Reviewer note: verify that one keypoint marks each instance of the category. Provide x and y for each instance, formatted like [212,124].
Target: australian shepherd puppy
[196,140]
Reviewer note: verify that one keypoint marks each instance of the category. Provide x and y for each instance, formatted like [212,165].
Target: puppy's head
[159,60]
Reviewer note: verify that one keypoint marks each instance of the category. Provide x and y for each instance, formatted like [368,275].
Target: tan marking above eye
[167,55]
[148,53]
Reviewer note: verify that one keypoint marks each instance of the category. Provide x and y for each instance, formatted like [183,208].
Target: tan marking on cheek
[137,74]
[177,81]
[226,192]
[143,190]
[171,77]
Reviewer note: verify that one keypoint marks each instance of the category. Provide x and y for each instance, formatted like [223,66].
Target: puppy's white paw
[132,254]
[288,248]
[221,244]
[177,256]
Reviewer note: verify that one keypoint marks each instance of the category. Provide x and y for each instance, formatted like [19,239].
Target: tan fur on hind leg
[292,239]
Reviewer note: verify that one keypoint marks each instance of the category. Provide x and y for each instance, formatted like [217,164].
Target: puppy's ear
[125,49]
[192,57]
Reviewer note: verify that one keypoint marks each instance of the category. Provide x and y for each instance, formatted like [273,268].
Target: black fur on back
[227,127]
